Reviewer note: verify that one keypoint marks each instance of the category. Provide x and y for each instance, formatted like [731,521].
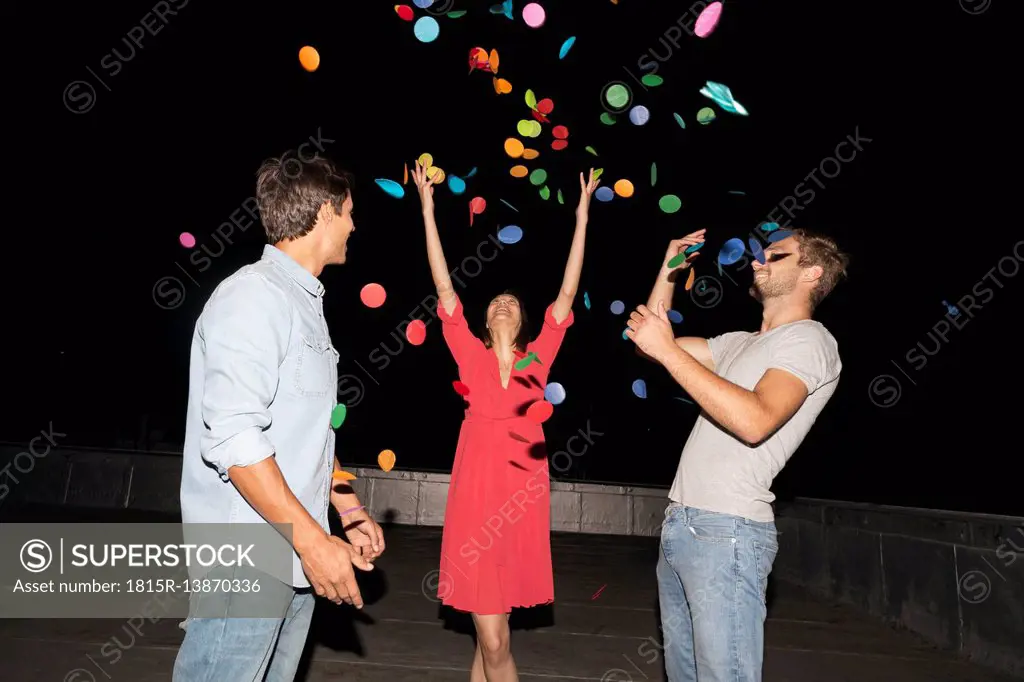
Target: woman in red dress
[496,544]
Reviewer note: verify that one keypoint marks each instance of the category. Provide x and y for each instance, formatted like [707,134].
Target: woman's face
[504,311]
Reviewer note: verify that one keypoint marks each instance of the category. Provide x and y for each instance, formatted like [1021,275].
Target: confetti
[509,205]
[639,115]
[669,203]
[677,260]
[309,58]
[560,199]
[426,29]
[510,234]
[694,248]
[416,332]
[654,174]
[540,411]
[591,150]
[477,205]
[604,193]
[386,460]
[617,307]
[460,388]
[538,177]
[566,46]
[731,251]
[186,240]
[624,188]
[456,184]
[779,236]
[513,147]
[705,116]
[554,393]
[722,96]
[504,8]
[757,250]
[527,360]
[391,187]
[769,227]
[519,171]
[545,193]
[640,388]
[586,300]
[405,12]
[675,316]
[338,415]
[651,80]
[373,295]
[680,121]
[708,20]
[690,279]
[343,476]
[533,15]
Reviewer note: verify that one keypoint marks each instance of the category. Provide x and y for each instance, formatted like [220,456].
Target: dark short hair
[817,249]
[290,192]
[523,337]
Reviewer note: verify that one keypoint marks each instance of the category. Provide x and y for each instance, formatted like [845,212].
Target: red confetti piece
[416,332]
[540,411]
[460,388]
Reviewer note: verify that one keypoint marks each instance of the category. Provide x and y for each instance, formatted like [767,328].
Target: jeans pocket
[713,528]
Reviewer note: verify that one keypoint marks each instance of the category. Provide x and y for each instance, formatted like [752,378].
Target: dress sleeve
[549,340]
[463,344]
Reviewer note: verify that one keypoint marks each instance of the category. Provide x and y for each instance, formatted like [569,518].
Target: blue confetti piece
[755,248]
[510,234]
[423,4]
[426,29]
[566,46]
[640,389]
[731,251]
[456,184]
[694,248]
[586,300]
[675,316]
[471,173]
[554,393]
[779,236]
[604,194]
[618,307]
[769,227]
[391,187]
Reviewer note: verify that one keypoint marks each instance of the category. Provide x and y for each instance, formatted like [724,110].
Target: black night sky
[169,139]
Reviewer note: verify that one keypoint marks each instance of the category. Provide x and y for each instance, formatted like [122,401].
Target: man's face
[781,272]
[339,227]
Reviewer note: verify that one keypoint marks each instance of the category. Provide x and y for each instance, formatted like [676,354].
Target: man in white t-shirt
[759,394]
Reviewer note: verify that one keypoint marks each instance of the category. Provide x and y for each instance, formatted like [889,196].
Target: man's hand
[677,246]
[651,332]
[365,535]
[328,564]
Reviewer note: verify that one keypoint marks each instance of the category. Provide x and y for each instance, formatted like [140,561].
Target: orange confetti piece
[344,476]
[386,460]
[689,280]
[513,147]
[502,86]
[519,171]
[493,60]
[405,177]
[530,154]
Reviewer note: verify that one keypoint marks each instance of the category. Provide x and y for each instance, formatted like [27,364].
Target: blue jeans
[712,579]
[245,649]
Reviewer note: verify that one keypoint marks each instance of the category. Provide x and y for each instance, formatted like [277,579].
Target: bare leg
[477,673]
[493,639]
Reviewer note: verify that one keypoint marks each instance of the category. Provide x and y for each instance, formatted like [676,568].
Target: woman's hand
[424,185]
[586,190]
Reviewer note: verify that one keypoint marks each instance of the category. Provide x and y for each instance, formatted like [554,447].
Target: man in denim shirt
[258,443]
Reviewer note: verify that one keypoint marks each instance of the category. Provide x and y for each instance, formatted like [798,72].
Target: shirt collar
[301,275]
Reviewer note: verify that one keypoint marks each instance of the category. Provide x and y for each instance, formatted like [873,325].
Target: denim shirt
[262,383]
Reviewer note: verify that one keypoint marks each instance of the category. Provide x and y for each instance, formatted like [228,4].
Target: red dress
[496,544]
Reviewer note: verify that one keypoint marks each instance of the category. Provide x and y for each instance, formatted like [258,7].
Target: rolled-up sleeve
[245,330]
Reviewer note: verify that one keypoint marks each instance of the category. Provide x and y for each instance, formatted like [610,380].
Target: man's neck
[780,311]
[302,254]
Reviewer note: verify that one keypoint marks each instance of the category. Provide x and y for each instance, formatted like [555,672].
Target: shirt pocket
[316,366]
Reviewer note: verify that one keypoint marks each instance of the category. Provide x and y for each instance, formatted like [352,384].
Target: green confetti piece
[669,203]
[652,80]
[705,115]
[591,150]
[531,99]
[597,172]
[545,193]
[456,14]
[654,174]
[538,177]
[677,260]
[607,119]
[617,96]
[525,362]
[338,415]
[680,121]
[560,199]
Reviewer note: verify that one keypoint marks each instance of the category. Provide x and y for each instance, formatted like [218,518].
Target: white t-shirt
[719,472]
